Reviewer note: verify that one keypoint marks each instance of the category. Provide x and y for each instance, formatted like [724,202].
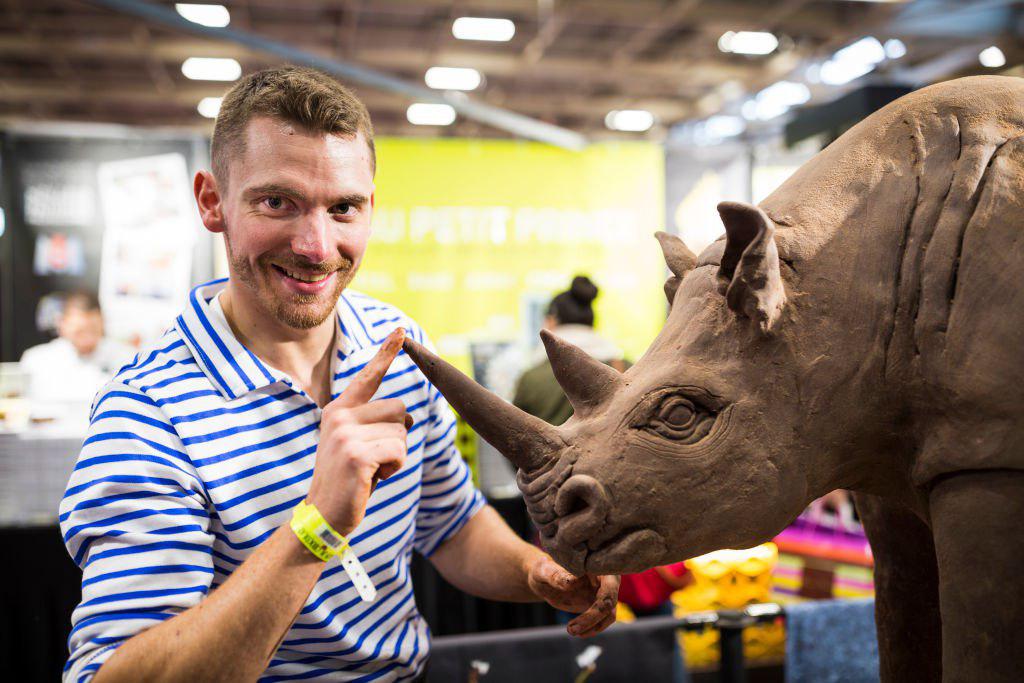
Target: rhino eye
[679,418]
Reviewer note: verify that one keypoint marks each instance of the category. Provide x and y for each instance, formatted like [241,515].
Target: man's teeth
[305,278]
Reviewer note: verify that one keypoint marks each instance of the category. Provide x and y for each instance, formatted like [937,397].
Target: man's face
[84,329]
[297,215]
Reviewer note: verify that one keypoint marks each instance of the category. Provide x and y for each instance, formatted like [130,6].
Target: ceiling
[569,63]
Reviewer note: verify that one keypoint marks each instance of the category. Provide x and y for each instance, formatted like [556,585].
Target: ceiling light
[723,126]
[207,15]
[209,106]
[630,120]
[211,69]
[775,100]
[838,73]
[748,42]
[992,57]
[430,114]
[479,28]
[866,51]
[894,48]
[852,62]
[452,78]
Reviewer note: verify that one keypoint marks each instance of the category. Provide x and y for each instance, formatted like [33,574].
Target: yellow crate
[730,579]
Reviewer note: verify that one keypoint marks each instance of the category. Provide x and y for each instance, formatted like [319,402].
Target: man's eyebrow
[356,198]
[275,189]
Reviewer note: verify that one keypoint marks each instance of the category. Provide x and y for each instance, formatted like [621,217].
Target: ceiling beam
[494,116]
[658,26]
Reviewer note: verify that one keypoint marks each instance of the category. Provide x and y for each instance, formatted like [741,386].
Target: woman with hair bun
[570,315]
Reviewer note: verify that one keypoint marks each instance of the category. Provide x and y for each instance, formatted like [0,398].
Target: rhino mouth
[629,551]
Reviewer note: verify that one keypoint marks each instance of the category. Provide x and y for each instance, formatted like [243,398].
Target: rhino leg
[976,519]
[906,591]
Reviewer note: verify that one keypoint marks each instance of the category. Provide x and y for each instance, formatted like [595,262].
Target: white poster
[150,231]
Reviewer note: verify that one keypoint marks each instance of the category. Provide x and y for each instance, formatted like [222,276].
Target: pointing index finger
[364,385]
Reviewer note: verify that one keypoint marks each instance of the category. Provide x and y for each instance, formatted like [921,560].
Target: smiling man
[252,488]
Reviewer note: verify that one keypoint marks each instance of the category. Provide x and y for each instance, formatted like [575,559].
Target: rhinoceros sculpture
[862,329]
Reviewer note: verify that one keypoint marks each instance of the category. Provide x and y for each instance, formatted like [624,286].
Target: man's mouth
[301,282]
[303,277]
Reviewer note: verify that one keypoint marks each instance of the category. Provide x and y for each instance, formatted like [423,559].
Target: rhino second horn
[527,441]
[586,381]
[679,258]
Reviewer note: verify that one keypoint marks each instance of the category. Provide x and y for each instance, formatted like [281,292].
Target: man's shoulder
[377,317]
[44,352]
[162,360]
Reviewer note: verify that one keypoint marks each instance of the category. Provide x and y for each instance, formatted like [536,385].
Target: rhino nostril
[582,493]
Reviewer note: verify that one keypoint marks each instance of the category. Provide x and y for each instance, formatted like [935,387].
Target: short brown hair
[301,96]
[82,300]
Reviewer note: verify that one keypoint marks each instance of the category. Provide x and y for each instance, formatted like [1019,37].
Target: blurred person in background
[72,367]
[570,315]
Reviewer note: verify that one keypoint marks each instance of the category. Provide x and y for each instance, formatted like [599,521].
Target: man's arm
[487,559]
[233,633]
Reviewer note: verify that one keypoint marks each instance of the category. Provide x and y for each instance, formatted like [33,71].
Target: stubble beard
[300,311]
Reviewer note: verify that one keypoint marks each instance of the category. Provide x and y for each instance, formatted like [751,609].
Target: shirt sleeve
[134,518]
[448,498]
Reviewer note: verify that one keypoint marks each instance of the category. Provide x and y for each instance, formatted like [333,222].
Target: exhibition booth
[518,340]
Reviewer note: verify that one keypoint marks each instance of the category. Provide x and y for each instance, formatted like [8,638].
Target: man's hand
[594,596]
[361,442]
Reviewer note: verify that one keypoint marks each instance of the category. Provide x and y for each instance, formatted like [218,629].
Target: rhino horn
[749,274]
[587,382]
[679,258]
[527,441]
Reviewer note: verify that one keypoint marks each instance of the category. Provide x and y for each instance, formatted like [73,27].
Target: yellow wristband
[315,533]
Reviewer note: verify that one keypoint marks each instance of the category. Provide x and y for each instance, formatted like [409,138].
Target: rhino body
[863,328]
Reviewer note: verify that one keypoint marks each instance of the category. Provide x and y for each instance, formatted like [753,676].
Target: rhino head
[694,448]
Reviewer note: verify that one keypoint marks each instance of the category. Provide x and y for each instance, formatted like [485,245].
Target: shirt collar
[232,368]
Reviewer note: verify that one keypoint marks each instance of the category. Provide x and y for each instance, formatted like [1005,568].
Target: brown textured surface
[863,328]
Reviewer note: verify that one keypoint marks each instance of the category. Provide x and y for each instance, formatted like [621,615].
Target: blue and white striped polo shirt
[197,451]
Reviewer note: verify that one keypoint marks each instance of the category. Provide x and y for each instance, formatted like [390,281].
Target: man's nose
[313,241]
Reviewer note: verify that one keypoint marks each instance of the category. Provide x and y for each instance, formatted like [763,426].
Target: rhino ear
[749,273]
[679,258]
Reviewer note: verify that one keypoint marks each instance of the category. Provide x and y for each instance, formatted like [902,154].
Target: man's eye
[343,209]
[275,203]
[679,418]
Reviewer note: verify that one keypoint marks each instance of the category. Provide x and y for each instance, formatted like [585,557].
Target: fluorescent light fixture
[430,114]
[992,57]
[207,15]
[209,106]
[211,69]
[852,62]
[452,78]
[839,73]
[479,28]
[865,51]
[894,48]
[629,120]
[775,100]
[748,42]
[722,126]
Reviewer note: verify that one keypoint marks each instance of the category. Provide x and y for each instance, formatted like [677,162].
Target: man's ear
[208,199]
[749,274]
